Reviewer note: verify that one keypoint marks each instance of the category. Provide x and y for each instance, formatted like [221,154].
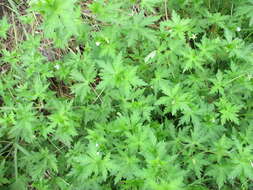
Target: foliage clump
[127,95]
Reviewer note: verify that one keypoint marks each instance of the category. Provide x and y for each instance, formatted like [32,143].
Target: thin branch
[166,11]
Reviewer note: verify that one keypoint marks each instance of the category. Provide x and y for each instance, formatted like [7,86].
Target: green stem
[15,162]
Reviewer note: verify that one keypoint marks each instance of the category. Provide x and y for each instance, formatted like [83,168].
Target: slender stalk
[15,162]
[166,11]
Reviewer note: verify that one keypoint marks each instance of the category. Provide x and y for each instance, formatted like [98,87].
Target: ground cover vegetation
[126,95]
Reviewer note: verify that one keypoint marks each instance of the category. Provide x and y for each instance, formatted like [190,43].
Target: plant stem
[15,162]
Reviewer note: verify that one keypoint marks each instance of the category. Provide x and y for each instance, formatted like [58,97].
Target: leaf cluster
[146,95]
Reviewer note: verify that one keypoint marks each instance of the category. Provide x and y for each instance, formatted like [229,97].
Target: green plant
[4,27]
[127,95]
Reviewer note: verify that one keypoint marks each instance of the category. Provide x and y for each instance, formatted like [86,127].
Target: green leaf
[175,100]
[37,163]
[229,112]
[246,10]
[82,88]
[4,27]
[220,173]
[139,28]
[241,161]
[197,163]
[219,83]
[20,183]
[192,60]
[176,27]
[93,163]
[61,19]
[63,122]
[150,4]
[3,180]
[221,148]
[24,124]
[117,74]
